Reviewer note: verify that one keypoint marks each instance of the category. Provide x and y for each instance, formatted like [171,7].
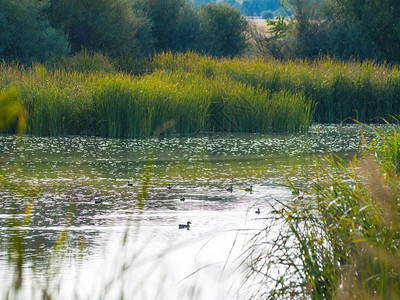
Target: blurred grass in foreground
[340,236]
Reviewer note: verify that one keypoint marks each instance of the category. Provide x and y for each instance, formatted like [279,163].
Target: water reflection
[68,175]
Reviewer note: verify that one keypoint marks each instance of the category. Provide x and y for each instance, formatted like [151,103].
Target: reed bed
[359,90]
[86,94]
[339,238]
[62,101]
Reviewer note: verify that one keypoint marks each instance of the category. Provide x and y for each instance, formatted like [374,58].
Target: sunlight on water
[116,248]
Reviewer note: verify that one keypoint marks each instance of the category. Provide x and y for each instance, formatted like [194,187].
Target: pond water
[129,245]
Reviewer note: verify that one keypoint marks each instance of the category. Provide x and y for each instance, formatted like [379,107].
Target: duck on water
[183,226]
[250,189]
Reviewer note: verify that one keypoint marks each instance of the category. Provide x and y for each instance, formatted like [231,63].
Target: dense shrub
[175,23]
[25,35]
[380,21]
[223,30]
[104,25]
[126,30]
[340,28]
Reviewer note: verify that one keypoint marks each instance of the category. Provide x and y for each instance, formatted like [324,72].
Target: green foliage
[380,21]
[175,23]
[185,89]
[25,35]
[104,25]
[83,61]
[11,110]
[223,30]
[386,144]
[340,89]
[339,236]
[199,93]
[277,27]
[340,28]
[342,40]
[33,30]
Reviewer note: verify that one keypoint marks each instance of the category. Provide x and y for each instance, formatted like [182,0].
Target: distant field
[260,24]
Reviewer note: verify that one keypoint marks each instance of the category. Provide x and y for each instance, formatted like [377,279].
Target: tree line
[344,29]
[33,30]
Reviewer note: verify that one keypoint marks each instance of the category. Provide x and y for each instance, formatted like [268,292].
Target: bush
[223,30]
[175,23]
[25,35]
[380,22]
[104,25]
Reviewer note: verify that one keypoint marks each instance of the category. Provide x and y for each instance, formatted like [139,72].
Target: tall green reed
[339,236]
[85,94]
[61,102]
[342,89]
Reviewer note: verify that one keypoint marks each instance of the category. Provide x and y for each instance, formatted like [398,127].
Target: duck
[258,211]
[169,186]
[99,201]
[250,189]
[230,189]
[183,199]
[130,183]
[183,226]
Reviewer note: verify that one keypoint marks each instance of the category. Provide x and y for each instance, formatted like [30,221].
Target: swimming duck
[183,226]
[258,211]
[249,189]
[130,184]
[183,199]
[230,189]
[169,186]
[98,201]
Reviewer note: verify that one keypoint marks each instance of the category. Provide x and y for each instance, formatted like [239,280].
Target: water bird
[99,201]
[183,199]
[230,189]
[258,211]
[130,184]
[169,186]
[250,189]
[183,226]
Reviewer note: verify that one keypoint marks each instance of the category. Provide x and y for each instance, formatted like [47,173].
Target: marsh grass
[65,101]
[341,89]
[87,95]
[339,237]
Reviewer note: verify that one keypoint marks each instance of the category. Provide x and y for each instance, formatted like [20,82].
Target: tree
[25,35]
[304,13]
[380,21]
[103,25]
[175,23]
[223,30]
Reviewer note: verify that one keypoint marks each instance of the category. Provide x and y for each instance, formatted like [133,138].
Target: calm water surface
[130,244]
